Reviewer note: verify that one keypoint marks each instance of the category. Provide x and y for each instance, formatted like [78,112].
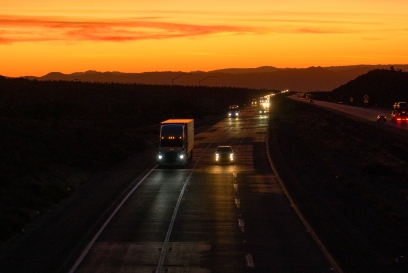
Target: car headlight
[160,157]
[181,156]
[232,156]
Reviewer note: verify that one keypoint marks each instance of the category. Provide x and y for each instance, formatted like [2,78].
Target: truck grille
[170,157]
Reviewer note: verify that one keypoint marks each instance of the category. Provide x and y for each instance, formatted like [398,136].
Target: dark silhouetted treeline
[56,134]
[20,97]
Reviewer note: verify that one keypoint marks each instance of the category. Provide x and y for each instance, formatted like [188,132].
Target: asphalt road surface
[366,113]
[207,217]
[203,218]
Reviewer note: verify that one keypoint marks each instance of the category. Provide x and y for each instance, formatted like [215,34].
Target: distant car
[224,154]
[262,111]
[399,115]
[234,113]
[381,118]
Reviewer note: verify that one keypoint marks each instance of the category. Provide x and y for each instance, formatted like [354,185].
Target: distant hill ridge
[265,77]
[382,86]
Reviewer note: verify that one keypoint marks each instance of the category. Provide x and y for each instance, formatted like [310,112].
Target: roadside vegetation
[55,135]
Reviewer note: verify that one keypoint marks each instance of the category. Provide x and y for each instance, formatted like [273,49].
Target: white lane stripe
[241,222]
[249,261]
[88,247]
[173,218]
[237,202]
[300,215]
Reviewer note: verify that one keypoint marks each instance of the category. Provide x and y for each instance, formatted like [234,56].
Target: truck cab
[176,142]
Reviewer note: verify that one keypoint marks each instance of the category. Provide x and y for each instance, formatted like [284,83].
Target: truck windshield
[171,135]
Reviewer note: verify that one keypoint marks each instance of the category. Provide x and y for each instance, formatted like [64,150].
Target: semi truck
[176,142]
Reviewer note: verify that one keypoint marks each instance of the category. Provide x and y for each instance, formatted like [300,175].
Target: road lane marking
[238,203]
[249,261]
[241,224]
[88,247]
[323,248]
[173,218]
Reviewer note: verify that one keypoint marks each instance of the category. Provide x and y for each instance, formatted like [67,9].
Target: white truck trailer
[176,142]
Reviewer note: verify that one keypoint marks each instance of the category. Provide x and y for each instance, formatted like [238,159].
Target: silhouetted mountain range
[382,86]
[265,77]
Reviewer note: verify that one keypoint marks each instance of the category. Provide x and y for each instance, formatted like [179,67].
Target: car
[233,112]
[224,154]
[381,118]
[399,115]
[262,111]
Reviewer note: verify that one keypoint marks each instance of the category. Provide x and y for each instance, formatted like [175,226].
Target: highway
[207,217]
[202,218]
[366,113]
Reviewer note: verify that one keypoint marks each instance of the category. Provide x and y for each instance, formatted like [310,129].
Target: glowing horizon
[156,35]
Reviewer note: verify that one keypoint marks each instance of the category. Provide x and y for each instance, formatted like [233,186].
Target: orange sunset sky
[38,37]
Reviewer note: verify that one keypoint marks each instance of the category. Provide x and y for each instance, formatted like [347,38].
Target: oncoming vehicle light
[217,156]
[232,157]
[181,156]
[160,157]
